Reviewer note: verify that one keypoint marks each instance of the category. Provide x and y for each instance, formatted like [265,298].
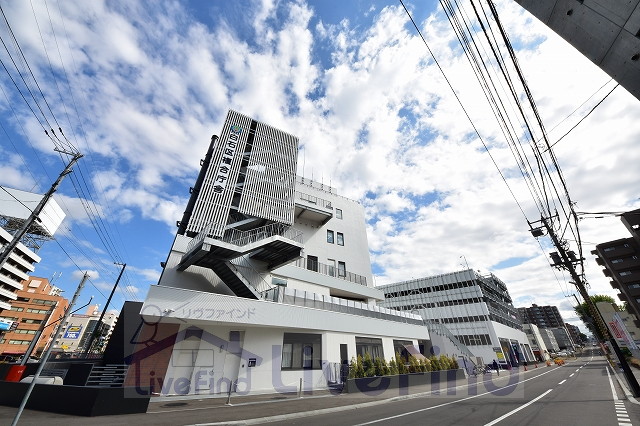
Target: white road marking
[452,402]
[571,375]
[613,390]
[518,409]
[562,381]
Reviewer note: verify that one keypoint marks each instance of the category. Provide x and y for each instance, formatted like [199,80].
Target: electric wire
[462,106]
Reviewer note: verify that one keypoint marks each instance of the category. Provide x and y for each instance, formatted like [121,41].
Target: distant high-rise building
[620,260]
[13,215]
[575,333]
[607,32]
[35,308]
[542,316]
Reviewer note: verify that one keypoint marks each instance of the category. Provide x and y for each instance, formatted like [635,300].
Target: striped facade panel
[214,200]
[269,186]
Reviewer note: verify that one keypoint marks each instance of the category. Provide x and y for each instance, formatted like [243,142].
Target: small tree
[445,362]
[414,365]
[359,371]
[393,367]
[426,364]
[435,365]
[380,366]
[402,367]
[368,366]
[454,363]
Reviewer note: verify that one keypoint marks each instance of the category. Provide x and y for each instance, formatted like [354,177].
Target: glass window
[340,239]
[616,261]
[301,351]
[342,269]
[312,263]
[371,346]
[624,273]
[332,267]
[338,213]
[329,236]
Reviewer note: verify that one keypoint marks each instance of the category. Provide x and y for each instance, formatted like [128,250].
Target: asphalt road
[579,393]
[582,392]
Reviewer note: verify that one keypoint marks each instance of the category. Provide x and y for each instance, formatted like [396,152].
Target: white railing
[242,238]
[296,297]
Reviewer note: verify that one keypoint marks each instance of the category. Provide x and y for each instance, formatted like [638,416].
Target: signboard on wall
[73,332]
[5,324]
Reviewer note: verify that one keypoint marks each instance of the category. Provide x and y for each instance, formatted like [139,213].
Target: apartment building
[542,316]
[268,282]
[35,309]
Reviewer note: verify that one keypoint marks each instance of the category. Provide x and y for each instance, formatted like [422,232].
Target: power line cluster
[487,47]
[16,66]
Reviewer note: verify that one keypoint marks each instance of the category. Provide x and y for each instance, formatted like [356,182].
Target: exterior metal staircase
[274,244]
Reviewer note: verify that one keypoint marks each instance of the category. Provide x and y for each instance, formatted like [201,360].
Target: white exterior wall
[355,252]
[208,368]
[549,340]
[12,275]
[536,341]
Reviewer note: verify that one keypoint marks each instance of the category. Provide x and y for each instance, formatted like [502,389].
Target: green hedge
[367,367]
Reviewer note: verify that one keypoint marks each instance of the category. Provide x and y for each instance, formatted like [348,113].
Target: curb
[302,414]
[624,387]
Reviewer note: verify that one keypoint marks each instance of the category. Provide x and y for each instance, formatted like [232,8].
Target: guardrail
[296,297]
[242,238]
[331,271]
[314,200]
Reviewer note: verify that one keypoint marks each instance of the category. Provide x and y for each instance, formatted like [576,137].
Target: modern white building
[18,267]
[15,208]
[268,283]
[549,339]
[476,308]
[538,347]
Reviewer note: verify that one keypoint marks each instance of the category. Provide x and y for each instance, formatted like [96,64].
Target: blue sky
[139,88]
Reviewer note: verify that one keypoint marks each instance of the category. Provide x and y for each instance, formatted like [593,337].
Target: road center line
[571,375]
[499,419]
[562,381]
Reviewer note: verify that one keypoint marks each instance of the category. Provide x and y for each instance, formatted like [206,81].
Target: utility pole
[98,326]
[8,249]
[45,355]
[567,260]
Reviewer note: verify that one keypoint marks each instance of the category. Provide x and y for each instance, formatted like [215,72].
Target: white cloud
[374,114]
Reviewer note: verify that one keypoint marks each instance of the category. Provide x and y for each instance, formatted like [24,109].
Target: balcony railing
[242,238]
[314,200]
[290,296]
[330,270]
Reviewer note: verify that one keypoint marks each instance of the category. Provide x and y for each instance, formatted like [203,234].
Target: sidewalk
[194,409]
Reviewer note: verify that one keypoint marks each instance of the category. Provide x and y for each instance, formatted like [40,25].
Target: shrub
[414,365]
[402,367]
[393,367]
[359,371]
[368,366]
[454,363]
[381,367]
[435,365]
[426,364]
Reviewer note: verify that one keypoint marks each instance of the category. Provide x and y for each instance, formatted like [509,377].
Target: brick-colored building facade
[38,303]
